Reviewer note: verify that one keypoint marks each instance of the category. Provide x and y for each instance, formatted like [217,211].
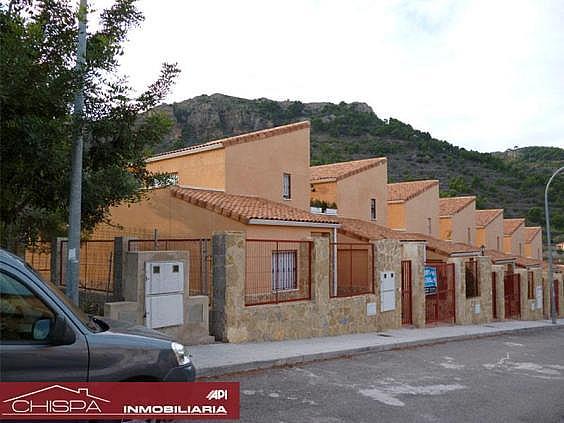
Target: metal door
[512,295]
[440,305]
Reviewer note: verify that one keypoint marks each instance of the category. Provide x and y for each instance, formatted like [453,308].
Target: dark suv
[45,337]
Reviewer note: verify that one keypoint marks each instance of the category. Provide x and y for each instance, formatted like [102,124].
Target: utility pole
[549,245]
[75,199]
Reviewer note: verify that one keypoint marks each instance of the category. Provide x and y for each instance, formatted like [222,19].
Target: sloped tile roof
[511,225]
[237,139]
[527,262]
[498,256]
[368,231]
[485,217]
[452,205]
[343,170]
[372,232]
[244,208]
[531,232]
[403,191]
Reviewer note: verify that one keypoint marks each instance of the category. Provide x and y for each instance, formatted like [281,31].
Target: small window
[373,209]
[175,268]
[156,269]
[287,186]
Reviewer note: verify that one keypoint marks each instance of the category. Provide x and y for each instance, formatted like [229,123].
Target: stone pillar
[485,281]
[387,257]
[525,310]
[500,290]
[228,285]
[320,271]
[459,290]
[415,252]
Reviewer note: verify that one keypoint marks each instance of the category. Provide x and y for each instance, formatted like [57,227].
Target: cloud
[484,75]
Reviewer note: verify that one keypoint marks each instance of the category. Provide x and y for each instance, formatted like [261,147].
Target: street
[498,379]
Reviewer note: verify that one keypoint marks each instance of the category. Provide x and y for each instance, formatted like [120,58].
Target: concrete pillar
[228,285]
[415,252]
[459,290]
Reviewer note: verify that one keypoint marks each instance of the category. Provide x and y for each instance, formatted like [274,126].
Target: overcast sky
[486,75]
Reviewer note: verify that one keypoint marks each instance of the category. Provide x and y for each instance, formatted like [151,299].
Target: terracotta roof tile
[403,191]
[531,232]
[245,208]
[498,256]
[452,205]
[237,139]
[485,217]
[343,170]
[528,262]
[371,231]
[511,225]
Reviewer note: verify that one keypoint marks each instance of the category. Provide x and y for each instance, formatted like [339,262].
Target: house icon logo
[53,400]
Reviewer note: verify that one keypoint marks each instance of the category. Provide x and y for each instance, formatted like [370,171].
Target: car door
[24,353]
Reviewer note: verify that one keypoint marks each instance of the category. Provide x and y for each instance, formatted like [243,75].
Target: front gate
[512,295]
[406,302]
[440,300]
[494,295]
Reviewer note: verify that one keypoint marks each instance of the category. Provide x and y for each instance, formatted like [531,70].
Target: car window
[20,309]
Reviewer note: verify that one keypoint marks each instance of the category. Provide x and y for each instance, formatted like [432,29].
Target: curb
[211,372]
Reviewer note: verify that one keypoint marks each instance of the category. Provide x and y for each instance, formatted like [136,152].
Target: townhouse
[489,229]
[533,242]
[457,219]
[513,236]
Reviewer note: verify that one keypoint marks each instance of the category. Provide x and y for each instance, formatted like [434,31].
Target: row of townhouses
[298,251]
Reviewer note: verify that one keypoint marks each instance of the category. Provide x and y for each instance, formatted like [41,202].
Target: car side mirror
[61,333]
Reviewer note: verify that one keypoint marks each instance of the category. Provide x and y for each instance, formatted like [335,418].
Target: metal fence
[96,265]
[277,271]
[200,269]
[39,257]
[351,269]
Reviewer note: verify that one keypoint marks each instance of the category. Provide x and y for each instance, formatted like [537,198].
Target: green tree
[38,83]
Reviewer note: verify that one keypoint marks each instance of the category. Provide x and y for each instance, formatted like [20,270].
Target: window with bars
[284,270]
[530,286]
[287,186]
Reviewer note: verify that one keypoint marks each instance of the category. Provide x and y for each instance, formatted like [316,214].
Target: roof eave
[298,223]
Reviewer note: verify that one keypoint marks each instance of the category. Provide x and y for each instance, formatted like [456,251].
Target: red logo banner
[118,400]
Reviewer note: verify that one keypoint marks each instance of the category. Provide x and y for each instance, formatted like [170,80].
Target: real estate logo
[91,400]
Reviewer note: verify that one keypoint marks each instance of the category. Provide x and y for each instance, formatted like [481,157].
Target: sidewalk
[220,359]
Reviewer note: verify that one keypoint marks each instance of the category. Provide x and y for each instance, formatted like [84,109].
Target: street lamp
[549,245]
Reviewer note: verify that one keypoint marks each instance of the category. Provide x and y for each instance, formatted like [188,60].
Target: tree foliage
[38,83]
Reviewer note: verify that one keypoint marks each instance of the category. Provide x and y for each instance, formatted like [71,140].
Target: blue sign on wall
[430,280]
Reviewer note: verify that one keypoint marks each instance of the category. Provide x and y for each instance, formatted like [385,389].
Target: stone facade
[530,308]
[559,278]
[232,321]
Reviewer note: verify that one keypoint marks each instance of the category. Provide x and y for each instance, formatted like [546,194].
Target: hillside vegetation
[513,180]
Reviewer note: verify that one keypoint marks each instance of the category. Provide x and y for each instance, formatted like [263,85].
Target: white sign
[371,309]
[387,291]
[538,297]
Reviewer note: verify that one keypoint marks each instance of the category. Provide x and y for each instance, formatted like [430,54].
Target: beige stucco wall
[256,168]
[533,249]
[421,208]
[464,225]
[396,216]
[320,316]
[445,228]
[491,235]
[515,243]
[324,191]
[354,194]
[204,170]
[173,217]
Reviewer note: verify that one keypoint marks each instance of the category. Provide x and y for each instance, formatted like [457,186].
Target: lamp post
[549,245]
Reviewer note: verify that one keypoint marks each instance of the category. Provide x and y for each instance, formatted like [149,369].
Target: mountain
[513,180]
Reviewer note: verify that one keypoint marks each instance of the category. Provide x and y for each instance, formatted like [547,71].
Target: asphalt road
[514,378]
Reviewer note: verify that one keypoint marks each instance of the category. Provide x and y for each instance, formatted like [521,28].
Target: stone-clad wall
[233,322]
[529,309]
[476,310]
[500,290]
[415,252]
[558,277]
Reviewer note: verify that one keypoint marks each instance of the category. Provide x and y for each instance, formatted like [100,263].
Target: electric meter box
[387,291]
[164,293]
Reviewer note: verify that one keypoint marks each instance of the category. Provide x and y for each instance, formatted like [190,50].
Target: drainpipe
[334,261]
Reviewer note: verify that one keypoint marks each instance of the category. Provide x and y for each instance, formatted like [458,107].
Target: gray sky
[485,75]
